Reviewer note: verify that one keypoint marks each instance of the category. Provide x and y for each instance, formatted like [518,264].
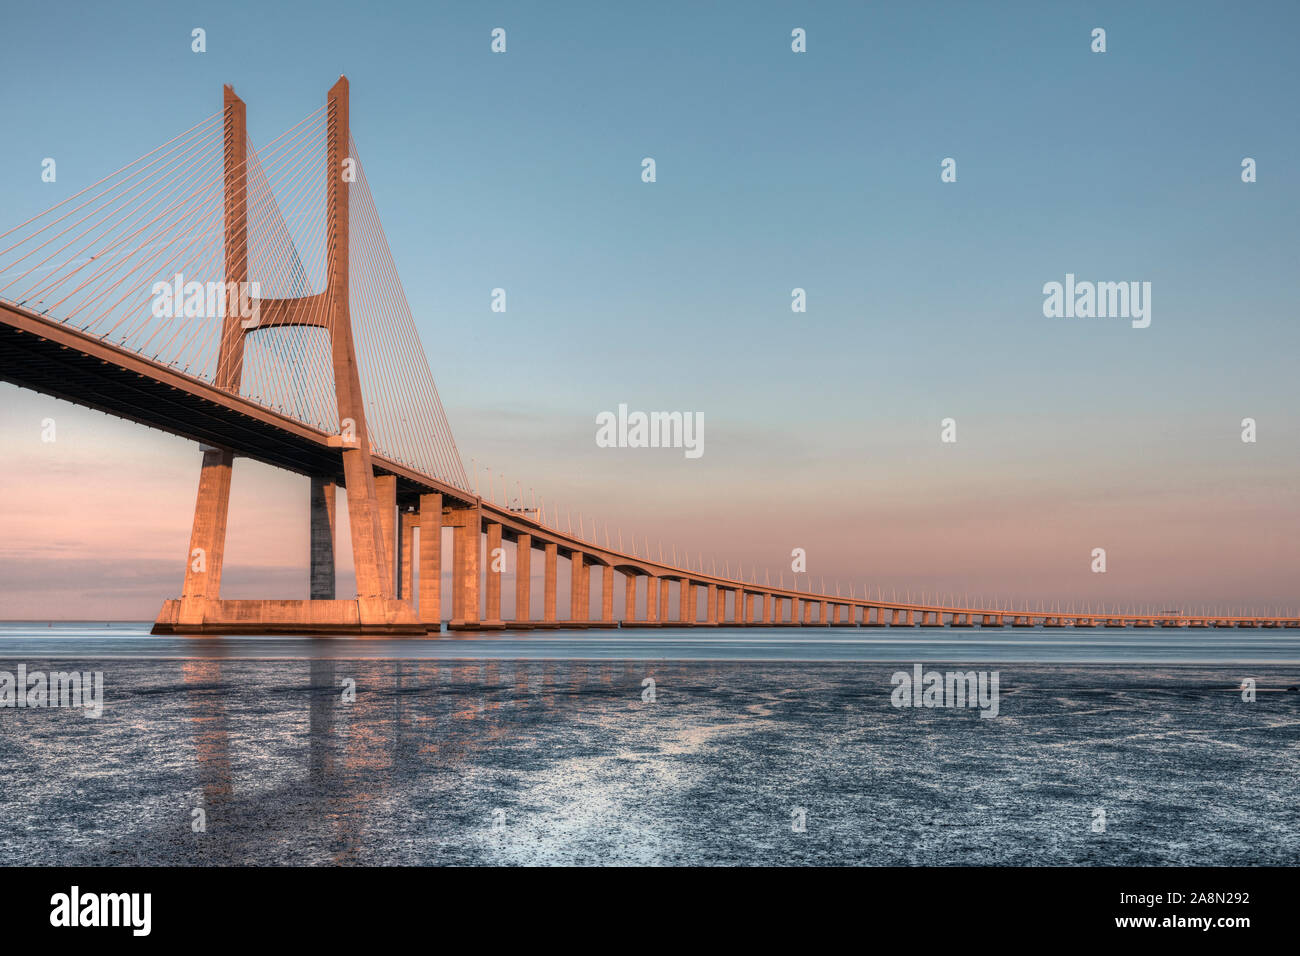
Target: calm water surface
[1028,645]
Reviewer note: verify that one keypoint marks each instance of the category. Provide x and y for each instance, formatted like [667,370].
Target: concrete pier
[523,577]
[495,570]
[607,594]
[551,557]
[207,536]
[465,523]
[431,561]
[577,577]
[407,521]
[323,504]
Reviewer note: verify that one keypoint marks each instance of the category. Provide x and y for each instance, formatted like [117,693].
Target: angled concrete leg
[208,537]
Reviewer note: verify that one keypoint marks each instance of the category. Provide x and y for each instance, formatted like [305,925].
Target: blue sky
[776,170]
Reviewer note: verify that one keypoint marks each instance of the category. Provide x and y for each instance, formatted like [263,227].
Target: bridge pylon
[376,609]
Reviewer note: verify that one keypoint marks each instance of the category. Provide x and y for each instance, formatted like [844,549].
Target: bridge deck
[46,356]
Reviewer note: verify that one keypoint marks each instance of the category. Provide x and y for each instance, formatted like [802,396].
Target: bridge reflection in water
[406,719]
[546,761]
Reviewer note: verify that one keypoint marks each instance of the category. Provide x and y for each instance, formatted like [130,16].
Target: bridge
[247,300]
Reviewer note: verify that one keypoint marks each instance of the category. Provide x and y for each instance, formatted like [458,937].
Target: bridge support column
[663,600]
[767,608]
[386,502]
[208,536]
[523,577]
[551,558]
[495,568]
[406,522]
[821,614]
[579,610]
[629,596]
[741,607]
[651,599]
[323,503]
[588,569]
[466,525]
[607,593]
[431,561]
[711,605]
[685,614]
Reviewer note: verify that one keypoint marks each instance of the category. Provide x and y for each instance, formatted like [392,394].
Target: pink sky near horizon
[96,524]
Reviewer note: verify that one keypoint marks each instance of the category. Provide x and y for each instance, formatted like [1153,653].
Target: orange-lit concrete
[549,573]
[607,594]
[495,562]
[523,577]
[431,561]
[465,524]
[407,521]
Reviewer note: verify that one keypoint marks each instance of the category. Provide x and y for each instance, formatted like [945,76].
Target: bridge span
[325,379]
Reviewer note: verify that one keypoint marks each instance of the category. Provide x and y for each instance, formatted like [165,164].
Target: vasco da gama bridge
[246,299]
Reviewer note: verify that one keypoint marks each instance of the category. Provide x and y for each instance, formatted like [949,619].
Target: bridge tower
[375,610]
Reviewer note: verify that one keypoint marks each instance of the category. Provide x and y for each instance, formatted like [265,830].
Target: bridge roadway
[46,356]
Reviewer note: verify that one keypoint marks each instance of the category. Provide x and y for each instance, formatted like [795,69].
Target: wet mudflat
[544,761]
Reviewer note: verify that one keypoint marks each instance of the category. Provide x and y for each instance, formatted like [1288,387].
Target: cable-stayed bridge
[246,298]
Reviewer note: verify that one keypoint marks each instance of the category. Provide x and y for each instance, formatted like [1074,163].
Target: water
[543,748]
[975,645]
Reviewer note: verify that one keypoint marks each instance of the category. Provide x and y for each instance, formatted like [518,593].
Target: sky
[775,170]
